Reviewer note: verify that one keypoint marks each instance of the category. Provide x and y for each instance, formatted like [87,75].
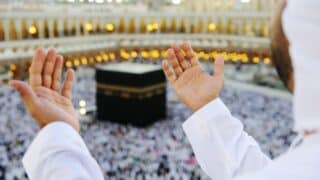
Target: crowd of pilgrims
[160,151]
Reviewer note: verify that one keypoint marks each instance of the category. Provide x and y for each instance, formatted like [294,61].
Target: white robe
[59,153]
[225,152]
[223,149]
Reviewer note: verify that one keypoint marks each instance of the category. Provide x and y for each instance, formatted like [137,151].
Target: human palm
[194,87]
[54,106]
[43,97]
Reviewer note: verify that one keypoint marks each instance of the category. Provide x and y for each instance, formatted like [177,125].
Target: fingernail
[11,84]
[175,48]
[40,49]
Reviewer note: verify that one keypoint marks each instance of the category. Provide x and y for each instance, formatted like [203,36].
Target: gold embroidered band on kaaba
[131,92]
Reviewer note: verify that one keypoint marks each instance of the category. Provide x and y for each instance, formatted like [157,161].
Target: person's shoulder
[301,163]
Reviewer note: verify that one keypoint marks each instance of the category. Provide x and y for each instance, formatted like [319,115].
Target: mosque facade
[87,32]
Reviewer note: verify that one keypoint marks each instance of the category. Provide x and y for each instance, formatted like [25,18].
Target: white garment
[225,152]
[301,23]
[59,153]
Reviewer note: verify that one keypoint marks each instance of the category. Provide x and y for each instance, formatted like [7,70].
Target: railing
[23,49]
[38,25]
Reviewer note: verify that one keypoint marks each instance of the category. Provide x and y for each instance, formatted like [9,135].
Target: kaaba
[130,93]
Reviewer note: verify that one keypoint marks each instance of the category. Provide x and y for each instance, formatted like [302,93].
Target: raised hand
[43,97]
[194,87]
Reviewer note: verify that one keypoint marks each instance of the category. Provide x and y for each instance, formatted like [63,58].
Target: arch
[33,30]
[220,27]
[192,28]
[46,32]
[173,26]
[231,29]
[73,30]
[249,29]
[163,26]
[211,26]
[153,26]
[254,27]
[200,25]
[109,27]
[24,29]
[132,26]
[55,28]
[244,27]
[122,26]
[89,27]
[65,28]
[82,28]
[143,26]
[264,30]
[183,26]
[12,30]
[99,29]
[2,38]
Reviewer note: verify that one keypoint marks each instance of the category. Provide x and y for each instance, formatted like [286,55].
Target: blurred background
[102,32]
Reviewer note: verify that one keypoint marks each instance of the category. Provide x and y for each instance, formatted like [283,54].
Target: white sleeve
[58,152]
[221,147]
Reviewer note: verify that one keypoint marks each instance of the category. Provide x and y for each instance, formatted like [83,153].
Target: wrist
[74,124]
[199,106]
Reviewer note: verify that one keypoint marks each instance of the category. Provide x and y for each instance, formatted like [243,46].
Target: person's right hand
[194,87]
[44,99]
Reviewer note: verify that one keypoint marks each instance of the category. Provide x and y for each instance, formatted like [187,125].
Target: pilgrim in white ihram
[222,148]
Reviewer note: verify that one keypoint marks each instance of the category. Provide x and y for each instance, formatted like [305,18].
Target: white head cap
[301,22]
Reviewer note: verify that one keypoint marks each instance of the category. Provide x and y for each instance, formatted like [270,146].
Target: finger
[49,68]
[36,68]
[219,67]
[190,54]
[168,71]
[179,54]
[68,84]
[57,73]
[26,92]
[174,62]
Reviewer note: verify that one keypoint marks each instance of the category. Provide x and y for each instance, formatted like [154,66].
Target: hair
[280,47]
[282,64]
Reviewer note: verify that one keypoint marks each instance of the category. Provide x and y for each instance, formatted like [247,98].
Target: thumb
[25,91]
[219,67]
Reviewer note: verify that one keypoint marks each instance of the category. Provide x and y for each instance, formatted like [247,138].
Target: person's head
[280,47]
